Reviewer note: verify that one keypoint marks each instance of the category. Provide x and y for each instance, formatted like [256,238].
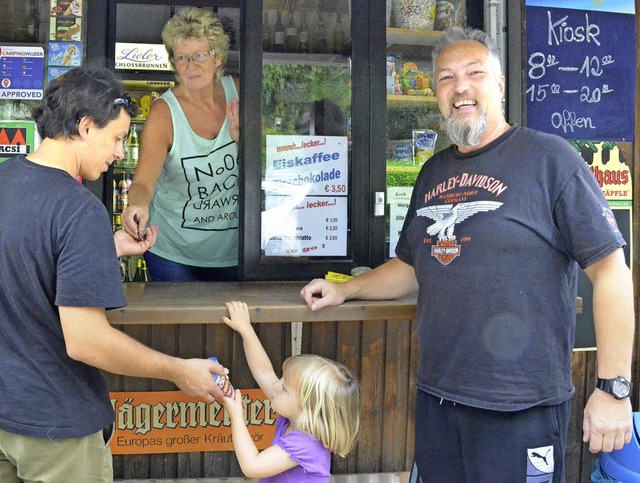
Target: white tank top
[195,204]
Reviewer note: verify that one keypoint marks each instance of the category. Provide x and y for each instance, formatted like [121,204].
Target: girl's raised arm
[257,358]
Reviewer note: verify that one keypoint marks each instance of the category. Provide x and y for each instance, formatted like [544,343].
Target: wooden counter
[376,340]
[203,303]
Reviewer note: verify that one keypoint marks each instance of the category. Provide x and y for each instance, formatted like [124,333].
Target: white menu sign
[399,198]
[306,196]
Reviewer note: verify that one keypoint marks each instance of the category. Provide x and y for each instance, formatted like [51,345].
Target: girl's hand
[234,405]
[238,315]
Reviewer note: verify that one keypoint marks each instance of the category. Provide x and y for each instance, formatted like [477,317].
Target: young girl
[318,406]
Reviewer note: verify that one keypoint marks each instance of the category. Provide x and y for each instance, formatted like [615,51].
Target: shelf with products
[293,58]
[143,93]
[425,38]
[413,120]
[312,28]
[399,99]
[409,68]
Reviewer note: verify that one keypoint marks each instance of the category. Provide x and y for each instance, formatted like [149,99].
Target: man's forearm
[613,315]
[393,279]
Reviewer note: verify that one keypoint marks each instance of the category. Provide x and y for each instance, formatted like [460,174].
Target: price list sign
[580,69]
[306,196]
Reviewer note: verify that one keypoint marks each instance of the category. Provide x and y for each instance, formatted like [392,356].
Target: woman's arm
[156,141]
[233,113]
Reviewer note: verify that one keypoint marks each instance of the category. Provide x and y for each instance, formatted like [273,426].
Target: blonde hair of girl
[330,398]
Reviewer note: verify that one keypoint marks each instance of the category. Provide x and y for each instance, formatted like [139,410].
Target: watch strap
[607,386]
[604,384]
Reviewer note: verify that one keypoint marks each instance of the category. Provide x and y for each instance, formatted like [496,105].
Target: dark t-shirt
[56,249]
[494,237]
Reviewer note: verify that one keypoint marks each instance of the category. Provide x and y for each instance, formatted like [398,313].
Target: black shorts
[457,443]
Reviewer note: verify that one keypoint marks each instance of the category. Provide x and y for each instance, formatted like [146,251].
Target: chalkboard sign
[580,69]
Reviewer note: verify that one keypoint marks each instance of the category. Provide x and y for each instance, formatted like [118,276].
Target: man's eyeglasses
[197,58]
[125,101]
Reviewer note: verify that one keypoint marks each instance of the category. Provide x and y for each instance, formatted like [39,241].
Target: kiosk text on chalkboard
[580,70]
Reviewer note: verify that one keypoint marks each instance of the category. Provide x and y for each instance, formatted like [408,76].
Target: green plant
[401,174]
[286,89]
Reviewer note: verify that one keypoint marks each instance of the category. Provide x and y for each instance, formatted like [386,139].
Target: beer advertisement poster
[172,422]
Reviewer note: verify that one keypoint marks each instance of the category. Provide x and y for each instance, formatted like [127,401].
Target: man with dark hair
[58,260]
[497,227]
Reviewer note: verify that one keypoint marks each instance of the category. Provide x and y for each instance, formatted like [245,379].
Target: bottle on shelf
[230,30]
[291,35]
[124,269]
[138,275]
[320,44]
[133,143]
[145,273]
[267,33]
[117,222]
[123,189]
[118,205]
[303,35]
[278,34]
[116,195]
[338,36]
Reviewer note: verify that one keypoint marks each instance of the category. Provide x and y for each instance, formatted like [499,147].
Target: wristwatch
[619,387]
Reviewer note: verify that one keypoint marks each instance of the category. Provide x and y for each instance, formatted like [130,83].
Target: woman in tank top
[186,180]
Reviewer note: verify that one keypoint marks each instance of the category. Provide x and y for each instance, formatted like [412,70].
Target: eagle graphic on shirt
[445,218]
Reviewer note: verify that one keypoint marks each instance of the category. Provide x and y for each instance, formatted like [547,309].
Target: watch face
[620,387]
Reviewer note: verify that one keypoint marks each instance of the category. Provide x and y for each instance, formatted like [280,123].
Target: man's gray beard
[466,134]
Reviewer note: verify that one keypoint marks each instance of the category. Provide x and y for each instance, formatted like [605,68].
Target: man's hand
[195,378]
[126,245]
[608,422]
[319,293]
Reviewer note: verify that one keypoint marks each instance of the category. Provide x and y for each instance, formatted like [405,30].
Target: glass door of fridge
[414,129]
[306,195]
